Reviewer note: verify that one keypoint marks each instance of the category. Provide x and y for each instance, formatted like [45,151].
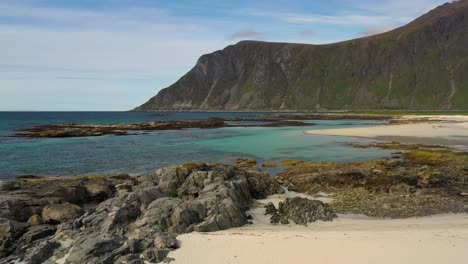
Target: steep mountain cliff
[423,65]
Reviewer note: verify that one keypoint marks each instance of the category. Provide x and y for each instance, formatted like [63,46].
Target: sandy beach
[348,239]
[439,130]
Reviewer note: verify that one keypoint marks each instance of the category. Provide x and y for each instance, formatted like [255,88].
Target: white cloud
[77,52]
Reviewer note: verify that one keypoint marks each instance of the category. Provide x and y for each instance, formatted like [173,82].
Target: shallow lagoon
[145,152]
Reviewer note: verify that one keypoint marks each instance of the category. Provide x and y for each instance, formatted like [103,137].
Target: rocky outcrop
[300,210]
[420,181]
[419,66]
[90,130]
[137,218]
[82,130]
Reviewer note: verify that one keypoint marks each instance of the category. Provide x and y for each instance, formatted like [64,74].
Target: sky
[113,55]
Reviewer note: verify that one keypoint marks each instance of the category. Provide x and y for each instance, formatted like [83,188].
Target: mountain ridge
[422,65]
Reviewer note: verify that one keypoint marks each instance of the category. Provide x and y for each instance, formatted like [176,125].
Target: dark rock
[37,232]
[41,252]
[10,230]
[148,195]
[270,209]
[275,218]
[92,249]
[302,211]
[155,255]
[122,214]
[165,241]
[129,259]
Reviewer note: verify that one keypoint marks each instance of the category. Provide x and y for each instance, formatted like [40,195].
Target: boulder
[35,233]
[165,241]
[10,230]
[302,211]
[123,214]
[35,220]
[148,195]
[270,209]
[92,249]
[41,252]
[57,213]
[135,224]
[99,189]
[155,255]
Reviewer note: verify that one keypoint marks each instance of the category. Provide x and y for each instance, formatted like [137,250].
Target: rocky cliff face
[422,65]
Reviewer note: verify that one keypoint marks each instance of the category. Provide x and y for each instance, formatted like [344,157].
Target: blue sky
[116,54]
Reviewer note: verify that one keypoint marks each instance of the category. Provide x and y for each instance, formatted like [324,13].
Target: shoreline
[347,239]
[435,130]
[436,239]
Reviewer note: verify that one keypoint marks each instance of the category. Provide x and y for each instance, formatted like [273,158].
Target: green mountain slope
[423,65]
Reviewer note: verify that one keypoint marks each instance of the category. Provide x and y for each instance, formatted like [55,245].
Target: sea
[144,152]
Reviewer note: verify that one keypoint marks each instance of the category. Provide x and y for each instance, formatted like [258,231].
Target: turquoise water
[141,153]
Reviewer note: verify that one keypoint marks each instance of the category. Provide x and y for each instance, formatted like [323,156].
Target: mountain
[423,65]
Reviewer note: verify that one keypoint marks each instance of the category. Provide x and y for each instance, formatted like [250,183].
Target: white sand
[348,239]
[450,130]
[437,239]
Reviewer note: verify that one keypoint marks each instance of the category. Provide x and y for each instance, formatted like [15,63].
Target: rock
[140,221]
[89,130]
[269,164]
[99,189]
[41,252]
[37,232]
[56,213]
[92,249]
[130,259]
[155,255]
[275,218]
[246,162]
[148,195]
[35,220]
[122,214]
[262,185]
[173,215]
[302,211]
[20,207]
[270,209]
[165,241]
[10,230]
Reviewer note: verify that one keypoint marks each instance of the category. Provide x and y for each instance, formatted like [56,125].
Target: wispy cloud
[338,19]
[54,48]
[402,8]
[245,34]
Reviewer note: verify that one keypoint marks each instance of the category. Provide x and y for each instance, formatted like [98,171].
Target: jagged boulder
[138,223]
[301,211]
